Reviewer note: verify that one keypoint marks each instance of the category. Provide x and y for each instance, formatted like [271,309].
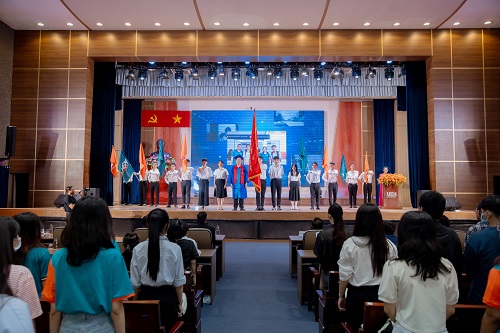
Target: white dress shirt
[139,175]
[352,177]
[172,176]
[188,175]
[246,157]
[204,173]
[221,173]
[370,174]
[313,176]
[293,178]
[331,176]
[276,171]
[263,170]
[153,175]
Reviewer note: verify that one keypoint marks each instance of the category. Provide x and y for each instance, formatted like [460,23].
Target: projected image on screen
[293,136]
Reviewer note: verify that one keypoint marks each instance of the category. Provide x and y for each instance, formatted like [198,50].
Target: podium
[391,197]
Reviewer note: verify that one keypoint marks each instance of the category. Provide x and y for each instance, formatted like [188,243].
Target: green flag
[125,167]
[343,169]
[302,155]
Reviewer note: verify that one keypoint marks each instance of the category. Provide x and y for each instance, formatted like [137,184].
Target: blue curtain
[4,185]
[132,139]
[418,143]
[103,129]
[383,123]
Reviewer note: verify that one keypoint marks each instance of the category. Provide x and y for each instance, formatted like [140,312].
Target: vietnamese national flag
[254,165]
[325,159]
[114,162]
[143,166]
[367,167]
[184,153]
[165,118]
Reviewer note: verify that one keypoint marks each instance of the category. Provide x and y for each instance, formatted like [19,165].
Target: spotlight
[336,71]
[151,62]
[236,74]
[221,70]
[323,63]
[163,75]
[305,72]
[294,73]
[143,74]
[194,74]
[403,71]
[212,73]
[356,72]
[252,72]
[318,73]
[389,73]
[278,72]
[371,72]
[179,74]
[270,71]
[130,75]
[389,62]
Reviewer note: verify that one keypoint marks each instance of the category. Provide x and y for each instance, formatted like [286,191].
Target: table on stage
[293,241]
[221,254]
[208,258]
[305,258]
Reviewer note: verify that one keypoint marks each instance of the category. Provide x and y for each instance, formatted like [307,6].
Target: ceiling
[258,14]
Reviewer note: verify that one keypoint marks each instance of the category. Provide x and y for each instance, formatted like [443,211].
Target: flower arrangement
[154,159]
[391,179]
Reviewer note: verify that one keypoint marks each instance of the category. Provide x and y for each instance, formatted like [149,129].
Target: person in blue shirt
[266,157]
[238,179]
[87,279]
[32,254]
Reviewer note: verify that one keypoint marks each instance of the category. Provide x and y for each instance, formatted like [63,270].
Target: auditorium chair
[202,236]
[309,239]
[461,234]
[194,295]
[144,316]
[328,315]
[313,282]
[143,233]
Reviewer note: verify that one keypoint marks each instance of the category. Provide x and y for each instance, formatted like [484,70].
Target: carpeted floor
[256,293]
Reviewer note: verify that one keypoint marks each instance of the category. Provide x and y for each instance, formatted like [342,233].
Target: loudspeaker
[94,192]
[59,202]
[496,185]
[419,193]
[10,141]
[452,204]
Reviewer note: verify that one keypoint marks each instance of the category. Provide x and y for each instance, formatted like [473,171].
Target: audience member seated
[361,262]
[445,221]
[433,203]
[157,270]
[177,233]
[32,254]
[203,223]
[389,230]
[130,240]
[491,319]
[420,288]
[329,242]
[476,227]
[482,249]
[20,280]
[87,279]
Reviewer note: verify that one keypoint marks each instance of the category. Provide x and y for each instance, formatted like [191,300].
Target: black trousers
[355,303]
[186,191]
[276,191]
[172,193]
[238,202]
[367,192]
[260,197]
[127,190]
[154,187]
[143,192]
[169,305]
[314,189]
[203,196]
[353,191]
[332,193]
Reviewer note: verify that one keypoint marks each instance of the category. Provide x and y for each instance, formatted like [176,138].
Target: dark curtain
[418,142]
[4,185]
[383,123]
[401,98]
[132,139]
[103,129]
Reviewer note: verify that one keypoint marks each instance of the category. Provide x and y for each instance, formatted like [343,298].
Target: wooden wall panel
[232,45]
[471,176]
[74,172]
[289,44]
[49,175]
[53,83]
[76,113]
[445,177]
[441,45]
[443,114]
[79,44]
[444,151]
[24,83]
[77,83]
[493,146]
[468,83]
[54,49]
[351,43]
[407,43]
[25,144]
[23,113]
[442,83]
[491,39]
[493,170]
[469,201]
[23,166]
[470,146]
[45,198]
[367,116]
[26,49]
[492,114]
[492,82]
[467,48]
[165,45]
[112,44]
[469,114]
[52,113]
[51,144]
[75,140]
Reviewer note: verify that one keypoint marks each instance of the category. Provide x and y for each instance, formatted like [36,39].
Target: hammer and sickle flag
[165,118]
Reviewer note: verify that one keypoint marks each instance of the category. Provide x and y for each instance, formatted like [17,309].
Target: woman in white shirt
[361,262]
[294,186]
[420,289]
[220,183]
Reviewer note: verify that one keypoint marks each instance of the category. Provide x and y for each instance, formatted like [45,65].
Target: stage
[248,224]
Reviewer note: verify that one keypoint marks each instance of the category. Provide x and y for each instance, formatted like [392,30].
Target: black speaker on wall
[496,185]
[10,141]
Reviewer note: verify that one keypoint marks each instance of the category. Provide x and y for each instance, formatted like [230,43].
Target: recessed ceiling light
[366,24]
[427,23]
[186,23]
[246,24]
[487,22]
[128,24]
[99,24]
[276,24]
[305,24]
[396,24]
[456,23]
[40,24]
[336,23]
[216,23]
[69,24]
[157,24]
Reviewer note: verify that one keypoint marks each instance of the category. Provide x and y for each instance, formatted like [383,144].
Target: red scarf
[242,174]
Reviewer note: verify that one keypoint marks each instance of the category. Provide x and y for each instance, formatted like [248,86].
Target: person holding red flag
[238,178]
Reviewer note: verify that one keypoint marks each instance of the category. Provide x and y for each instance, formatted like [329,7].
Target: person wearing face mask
[482,249]
[476,227]
[20,280]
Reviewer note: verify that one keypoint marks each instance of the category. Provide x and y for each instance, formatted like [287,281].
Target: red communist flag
[114,162]
[184,153]
[165,118]
[254,172]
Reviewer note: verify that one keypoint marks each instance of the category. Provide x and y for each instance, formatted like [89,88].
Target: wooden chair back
[310,239]
[461,234]
[143,233]
[142,316]
[203,237]
[177,327]
[120,245]
[374,318]
[57,234]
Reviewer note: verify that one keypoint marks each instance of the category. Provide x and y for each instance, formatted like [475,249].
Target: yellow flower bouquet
[390,179]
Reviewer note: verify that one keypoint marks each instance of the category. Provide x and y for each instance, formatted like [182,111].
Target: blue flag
[161,157]
[125,167]
[343,169]
[302,156]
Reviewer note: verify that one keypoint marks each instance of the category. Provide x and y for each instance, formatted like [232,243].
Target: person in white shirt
[294,186]
[143,188]
[260,197]
[361,263]
[220,184]
[172,179]
[313,178]
[186,178]
[127,185]
[204,172]
[367,179]
[330,177]
[276,173]
[153,177]
[352,181]
[246,155]
[420,288]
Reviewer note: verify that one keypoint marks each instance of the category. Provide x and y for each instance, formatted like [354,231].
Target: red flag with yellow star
[254,172]
[165,118]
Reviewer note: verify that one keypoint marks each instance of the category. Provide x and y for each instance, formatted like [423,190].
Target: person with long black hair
[157,269]
[361,262]
[87,279]
[420,288]
[32,254]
